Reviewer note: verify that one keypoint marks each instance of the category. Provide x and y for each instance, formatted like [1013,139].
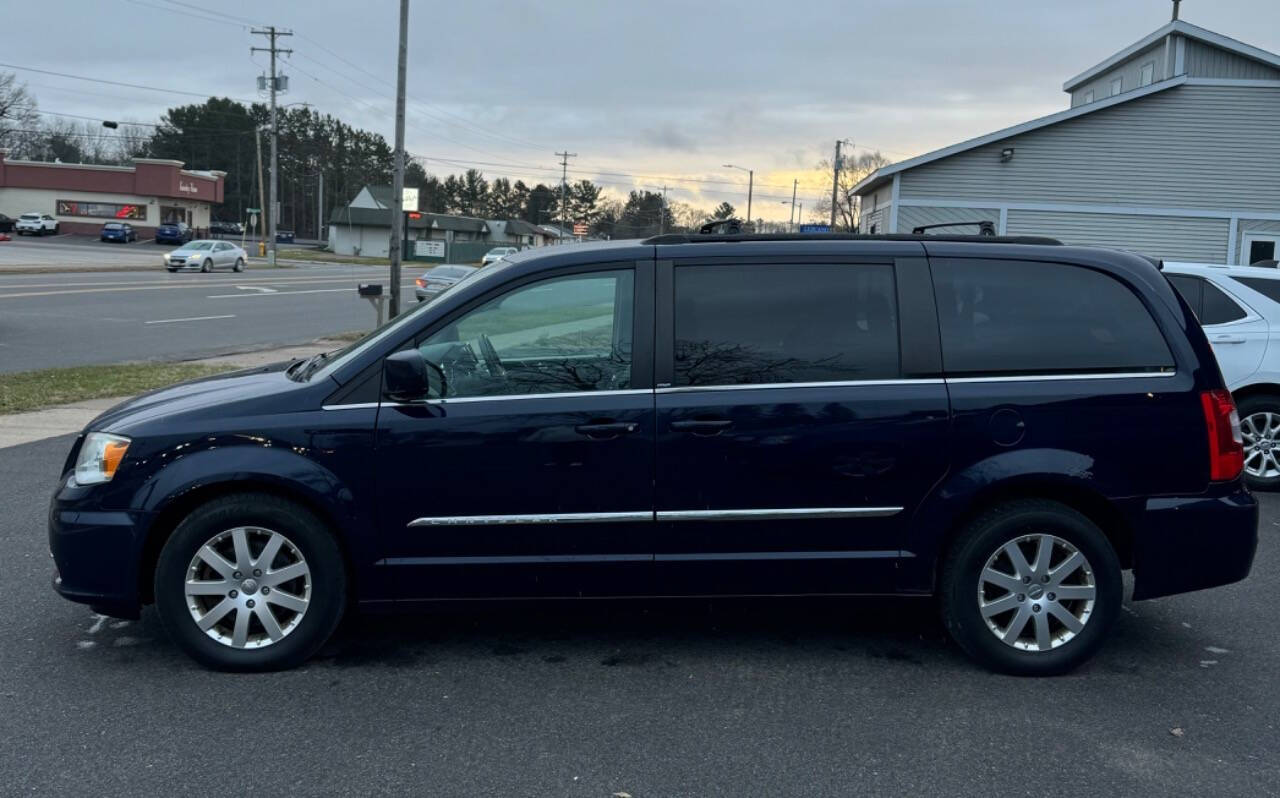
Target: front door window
[566,334]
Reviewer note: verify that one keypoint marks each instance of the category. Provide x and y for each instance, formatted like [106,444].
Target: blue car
[118,231]
[174,233]
[1004,424]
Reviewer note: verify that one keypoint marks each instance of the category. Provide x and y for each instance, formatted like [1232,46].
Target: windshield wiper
[312,363]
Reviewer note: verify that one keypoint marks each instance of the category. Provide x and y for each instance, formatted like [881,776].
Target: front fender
[1051,472]
[184,471]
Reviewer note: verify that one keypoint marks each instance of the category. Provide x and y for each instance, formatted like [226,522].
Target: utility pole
[397,180]
[262,189]
[320,208]
[792,223]
[662,214]
[564,185]
[835,184]
[272,33]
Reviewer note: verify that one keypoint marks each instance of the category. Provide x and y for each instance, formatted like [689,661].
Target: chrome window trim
[352,406]
[775,385]
[1125,375]
[660,515]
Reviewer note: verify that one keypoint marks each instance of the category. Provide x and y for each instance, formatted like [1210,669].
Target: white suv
[1239,308]
[36,224]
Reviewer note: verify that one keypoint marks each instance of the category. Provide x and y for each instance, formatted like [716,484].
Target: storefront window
[101,210]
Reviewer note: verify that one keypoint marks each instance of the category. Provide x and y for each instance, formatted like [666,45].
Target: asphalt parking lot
[763,698]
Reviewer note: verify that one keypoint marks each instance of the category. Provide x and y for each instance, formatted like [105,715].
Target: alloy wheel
[1036,592]
[248,587]
[1261,433]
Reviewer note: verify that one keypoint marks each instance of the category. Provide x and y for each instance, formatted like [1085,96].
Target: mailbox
[369,289]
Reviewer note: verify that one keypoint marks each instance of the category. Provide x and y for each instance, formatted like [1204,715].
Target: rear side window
[760,324]
[1019,317]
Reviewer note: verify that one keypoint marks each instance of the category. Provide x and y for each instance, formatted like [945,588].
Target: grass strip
[33,390]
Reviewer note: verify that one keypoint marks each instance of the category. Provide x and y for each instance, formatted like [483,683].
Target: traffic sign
[409,198]
[579,229]
[253,211]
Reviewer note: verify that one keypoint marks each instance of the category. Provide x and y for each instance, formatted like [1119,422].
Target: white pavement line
[193,318]
[288,293]
[261,288]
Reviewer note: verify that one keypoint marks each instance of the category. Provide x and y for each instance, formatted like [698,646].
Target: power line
[201,17]
[115,82]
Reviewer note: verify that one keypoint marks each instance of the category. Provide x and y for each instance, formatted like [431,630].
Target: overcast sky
[655,88]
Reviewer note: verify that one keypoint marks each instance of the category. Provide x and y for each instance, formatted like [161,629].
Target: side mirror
[409,377]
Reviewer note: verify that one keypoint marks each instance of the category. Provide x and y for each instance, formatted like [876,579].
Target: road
[72,319]
[767,698]
[81,252]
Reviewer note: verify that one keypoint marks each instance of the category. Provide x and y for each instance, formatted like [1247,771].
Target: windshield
[29,216]
[199,245]
[112,226]
[447,271]
[389,330]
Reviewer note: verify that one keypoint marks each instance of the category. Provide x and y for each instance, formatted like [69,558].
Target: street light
[751,179]
[791,222]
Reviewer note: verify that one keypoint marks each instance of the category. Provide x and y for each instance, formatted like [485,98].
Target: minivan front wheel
[250,583]
[1031,587]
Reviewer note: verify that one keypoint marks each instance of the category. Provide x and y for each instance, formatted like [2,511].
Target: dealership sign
[428,249]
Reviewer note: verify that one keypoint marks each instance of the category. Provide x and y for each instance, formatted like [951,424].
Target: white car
[1239,308]
[206,256]
[36,224]
[497,254]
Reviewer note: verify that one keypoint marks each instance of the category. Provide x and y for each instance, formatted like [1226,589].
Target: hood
[221,391]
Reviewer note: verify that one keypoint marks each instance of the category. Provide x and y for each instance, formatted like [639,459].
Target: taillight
[420,282]
[1226,446]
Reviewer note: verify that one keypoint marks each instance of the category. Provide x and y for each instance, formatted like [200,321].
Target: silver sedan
[206,256]
[439,280]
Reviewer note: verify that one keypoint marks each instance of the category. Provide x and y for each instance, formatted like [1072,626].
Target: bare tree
[852,171]
[17,111]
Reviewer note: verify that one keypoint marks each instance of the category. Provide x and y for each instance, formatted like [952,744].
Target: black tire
[1251,405]
[986,534]
[306,532]
[170,270]
[239,265]
[207,266]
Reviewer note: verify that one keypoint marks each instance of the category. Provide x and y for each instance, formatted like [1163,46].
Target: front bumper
[1191,543]
[96,552]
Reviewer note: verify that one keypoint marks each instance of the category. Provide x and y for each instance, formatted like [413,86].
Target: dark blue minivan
[1006,424]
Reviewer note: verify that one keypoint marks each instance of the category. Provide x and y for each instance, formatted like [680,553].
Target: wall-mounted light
[1006,155]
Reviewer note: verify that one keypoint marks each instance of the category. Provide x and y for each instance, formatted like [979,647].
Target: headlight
[99,458]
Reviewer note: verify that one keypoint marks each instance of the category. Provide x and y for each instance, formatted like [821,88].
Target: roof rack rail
[681,238]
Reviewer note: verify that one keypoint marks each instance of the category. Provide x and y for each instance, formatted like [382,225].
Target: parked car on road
[1239,307]
[439,279]
[496,254]
[206,256]
[1003,423]
[118,231]
[226,228]
[174,233]
[284,237]
[6,224]
[36,224]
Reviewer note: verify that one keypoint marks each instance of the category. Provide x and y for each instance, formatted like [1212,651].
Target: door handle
[603,430]
[1228,339]
[703,427]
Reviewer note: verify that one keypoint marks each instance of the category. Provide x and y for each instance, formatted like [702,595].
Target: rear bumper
[1195,542]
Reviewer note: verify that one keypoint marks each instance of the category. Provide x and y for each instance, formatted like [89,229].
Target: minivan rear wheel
[1260,428]
[1031,587]
[250,582]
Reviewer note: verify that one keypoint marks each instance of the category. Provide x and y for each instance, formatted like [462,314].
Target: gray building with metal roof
[1170,147]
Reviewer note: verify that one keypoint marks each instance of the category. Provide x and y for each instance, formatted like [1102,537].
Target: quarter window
[759,324]
[1014,317]
[563,334]
[1218,307]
